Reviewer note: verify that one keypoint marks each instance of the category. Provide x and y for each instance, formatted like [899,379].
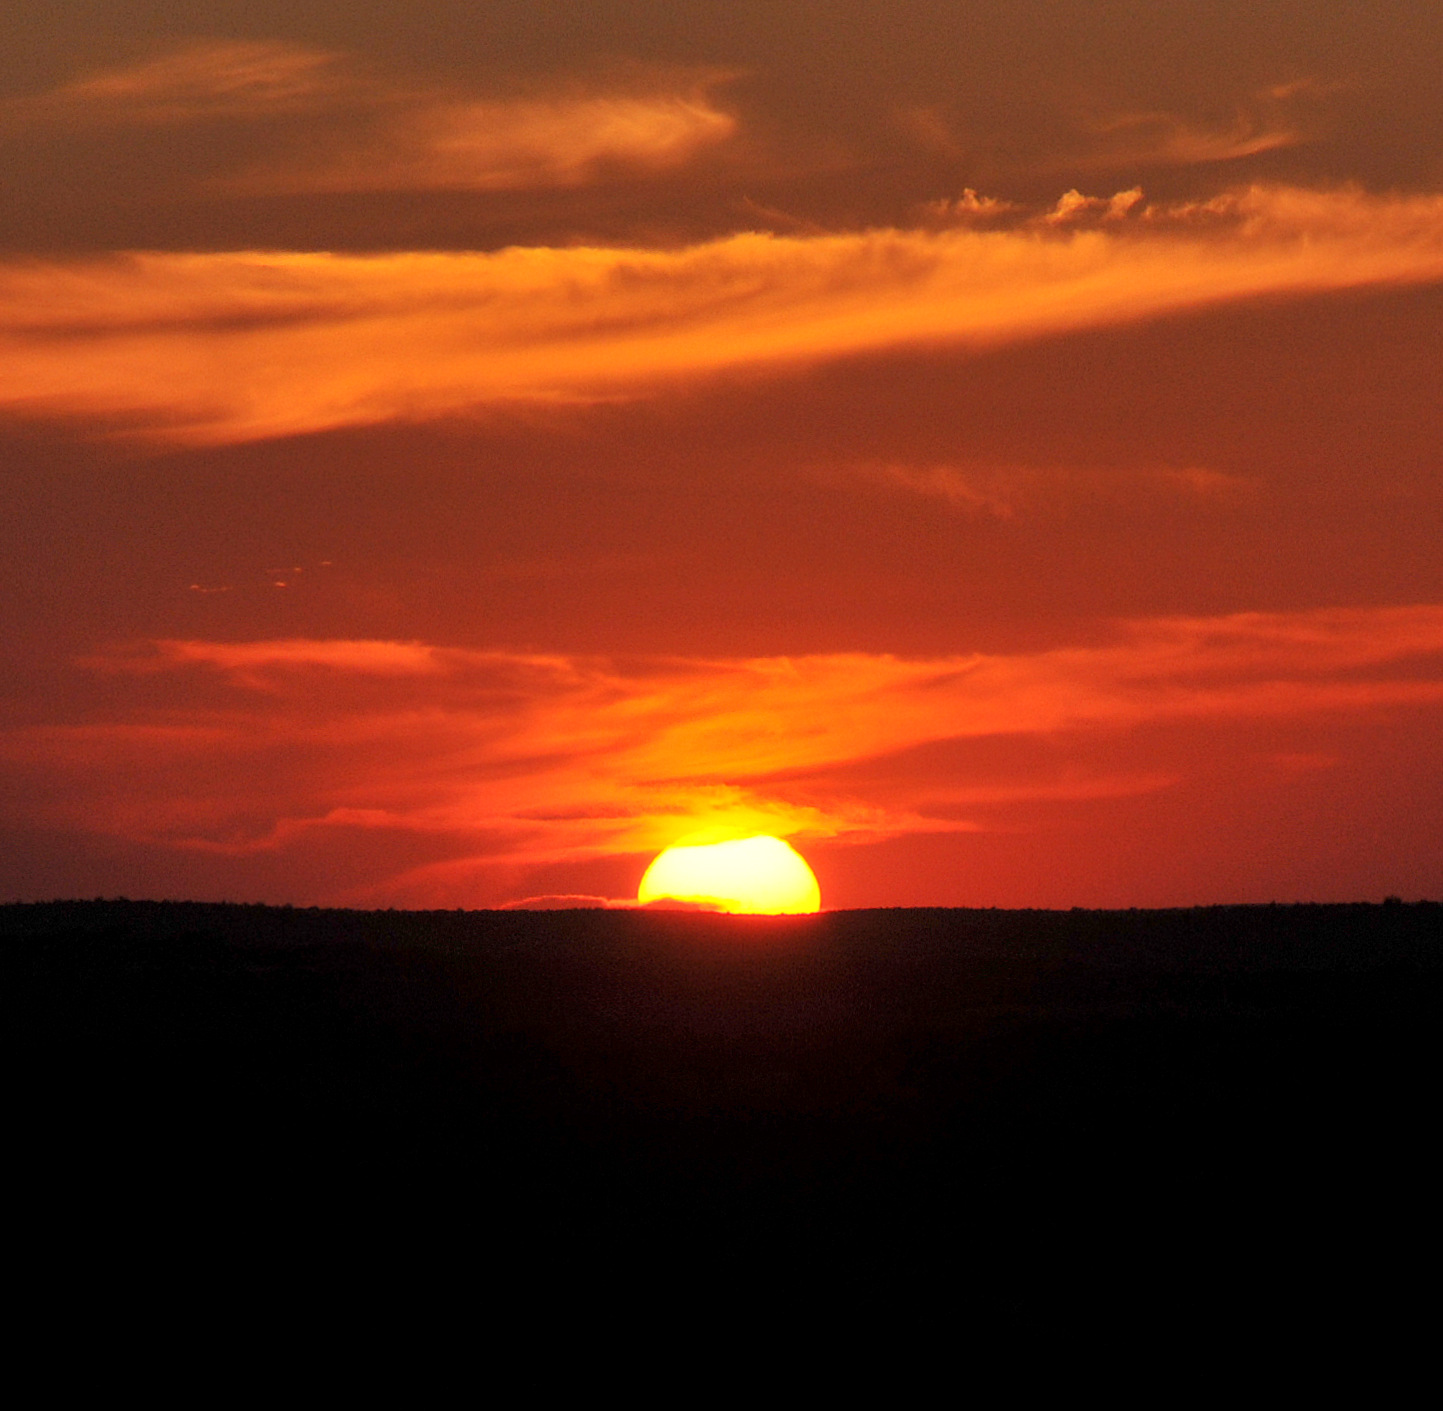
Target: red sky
[452,452]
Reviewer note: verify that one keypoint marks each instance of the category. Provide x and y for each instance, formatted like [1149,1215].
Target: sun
[746,875]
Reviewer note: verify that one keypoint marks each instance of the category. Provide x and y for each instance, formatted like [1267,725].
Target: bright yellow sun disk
[746,875]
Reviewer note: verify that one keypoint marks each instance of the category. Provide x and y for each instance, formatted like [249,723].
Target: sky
[452,452]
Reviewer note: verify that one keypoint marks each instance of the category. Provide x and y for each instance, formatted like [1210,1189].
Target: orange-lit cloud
[193,83]
[1166,139]
[1006,491]
[352,130]
[1073,206]
[1269,119]
[254,663]
[497,146]
[221,347]
[532,759]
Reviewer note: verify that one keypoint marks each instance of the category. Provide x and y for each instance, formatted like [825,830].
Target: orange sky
[455,451]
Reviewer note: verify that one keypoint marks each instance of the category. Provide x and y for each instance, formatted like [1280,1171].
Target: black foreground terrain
[949,1109]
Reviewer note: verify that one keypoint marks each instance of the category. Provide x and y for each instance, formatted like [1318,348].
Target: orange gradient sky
[454,452]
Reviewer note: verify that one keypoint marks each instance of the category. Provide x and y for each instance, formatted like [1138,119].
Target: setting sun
[745,875]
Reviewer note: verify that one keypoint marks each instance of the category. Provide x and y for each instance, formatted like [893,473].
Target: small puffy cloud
[1072,206]
[970,209]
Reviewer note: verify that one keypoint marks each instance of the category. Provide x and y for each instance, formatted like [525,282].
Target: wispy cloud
[1008,491]
[1268,119]
[1166,139]
[223,347]
[532,759]
[255,664]
[323,123]
[567,140]
[197,82]
[969,490]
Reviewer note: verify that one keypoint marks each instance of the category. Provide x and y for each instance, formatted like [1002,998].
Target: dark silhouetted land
[970,1108]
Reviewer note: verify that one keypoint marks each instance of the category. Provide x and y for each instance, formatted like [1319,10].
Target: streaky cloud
[196,82]
[214,348]
[349,129]
[524,759]
[561,141]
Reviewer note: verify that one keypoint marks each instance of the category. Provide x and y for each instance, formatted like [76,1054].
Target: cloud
[518,759]
[256,664]
[1007,491]
[568,901]
[501,146]
[1268,120]
[345,128]
[1165,139]
[975,491]
[1073,206]
[197,82]
[227,347]
[928,125]
[970,209]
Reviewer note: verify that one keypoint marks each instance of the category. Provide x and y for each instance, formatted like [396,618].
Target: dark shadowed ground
[956,1111]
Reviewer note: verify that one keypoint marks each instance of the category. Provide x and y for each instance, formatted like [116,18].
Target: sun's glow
[744,875]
